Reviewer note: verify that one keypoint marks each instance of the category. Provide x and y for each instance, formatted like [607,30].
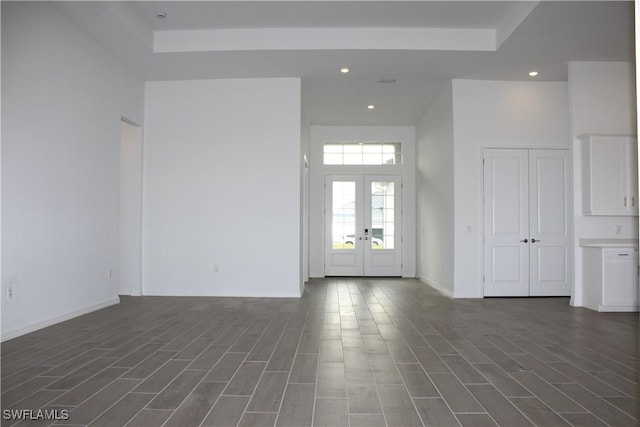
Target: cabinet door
[606,179]
[620,284]
[610,175]
[632,173]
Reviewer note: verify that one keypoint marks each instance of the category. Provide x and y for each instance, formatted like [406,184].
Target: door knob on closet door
[534,240]
[524,241]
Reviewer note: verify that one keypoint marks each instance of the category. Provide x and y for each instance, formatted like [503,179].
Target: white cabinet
[610,175]
[611,278]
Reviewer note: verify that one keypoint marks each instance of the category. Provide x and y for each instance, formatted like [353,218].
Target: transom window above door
[362,153]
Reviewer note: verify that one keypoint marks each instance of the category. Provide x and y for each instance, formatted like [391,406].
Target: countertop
[609,243]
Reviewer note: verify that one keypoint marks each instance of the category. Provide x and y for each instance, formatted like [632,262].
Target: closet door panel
[549,222]
[506,223]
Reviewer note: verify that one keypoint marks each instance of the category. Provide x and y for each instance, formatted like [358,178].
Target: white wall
[434,182]
[495,114]
[222,188]
[637,69]
[62,99]
[403,134]
[2,286]
[602,100]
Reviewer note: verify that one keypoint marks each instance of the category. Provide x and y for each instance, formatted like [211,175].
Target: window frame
[348,151]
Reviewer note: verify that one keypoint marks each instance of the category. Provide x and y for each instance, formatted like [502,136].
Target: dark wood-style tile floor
[351,352]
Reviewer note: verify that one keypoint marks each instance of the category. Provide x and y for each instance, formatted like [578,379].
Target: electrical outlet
[216,268]
[10,292]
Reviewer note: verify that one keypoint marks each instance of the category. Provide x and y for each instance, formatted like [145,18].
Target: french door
[363,225]
[526,222]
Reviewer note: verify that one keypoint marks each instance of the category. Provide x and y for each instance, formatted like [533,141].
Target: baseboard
[54,320]
[438,287]
[176,292]
[618,308]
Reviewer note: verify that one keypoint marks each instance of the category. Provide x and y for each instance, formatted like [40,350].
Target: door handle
[525,241]
[534,240]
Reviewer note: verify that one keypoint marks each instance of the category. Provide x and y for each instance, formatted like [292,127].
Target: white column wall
[222,188]
[63,97]
[493,114]
[434,176]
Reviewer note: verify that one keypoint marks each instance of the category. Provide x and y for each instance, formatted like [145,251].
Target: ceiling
[418,45]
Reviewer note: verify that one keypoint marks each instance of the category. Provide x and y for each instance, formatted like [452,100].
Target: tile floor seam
[100,414]
[549,384]
[380,400]
[286,386]
[356,302]
[413,402]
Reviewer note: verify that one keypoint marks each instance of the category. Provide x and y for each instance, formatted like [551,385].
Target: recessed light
[371,106]
[344,70]
[533,73]
[161,15]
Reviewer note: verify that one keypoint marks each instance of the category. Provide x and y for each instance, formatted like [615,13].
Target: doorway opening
[130,215]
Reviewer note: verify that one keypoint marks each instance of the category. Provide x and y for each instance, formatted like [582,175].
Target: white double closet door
[526,222]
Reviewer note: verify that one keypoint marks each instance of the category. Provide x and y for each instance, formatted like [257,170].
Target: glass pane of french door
[343,224]
[343,215]
[382,225]
[382,215]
